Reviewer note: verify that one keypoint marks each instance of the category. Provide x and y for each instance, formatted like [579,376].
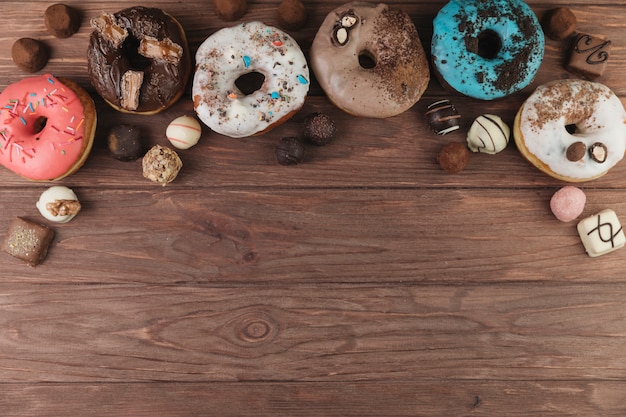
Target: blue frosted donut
[486,49]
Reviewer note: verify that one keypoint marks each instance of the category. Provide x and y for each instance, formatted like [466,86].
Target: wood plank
[91,334]
[359,399]
[181,235]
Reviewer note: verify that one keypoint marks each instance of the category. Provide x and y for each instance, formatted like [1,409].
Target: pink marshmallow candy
[568,203]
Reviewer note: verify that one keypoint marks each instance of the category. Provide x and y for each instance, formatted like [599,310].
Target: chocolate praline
[29,54]
[61,20]
[289,151]
[453,157]
[319,128]
[125,142]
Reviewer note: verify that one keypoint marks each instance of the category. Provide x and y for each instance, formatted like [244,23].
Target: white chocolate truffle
[58,204]
[184,132]
[488,134]
[601,233]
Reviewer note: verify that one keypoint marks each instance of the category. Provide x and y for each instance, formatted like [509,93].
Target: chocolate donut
[138,59]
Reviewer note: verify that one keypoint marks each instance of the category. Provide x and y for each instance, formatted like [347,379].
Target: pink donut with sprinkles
[232,53]
[47,127]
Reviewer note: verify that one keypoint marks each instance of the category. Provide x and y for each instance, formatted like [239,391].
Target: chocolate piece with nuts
[343,26]
[598,152]
[28,241]
[161,164]
[576,151]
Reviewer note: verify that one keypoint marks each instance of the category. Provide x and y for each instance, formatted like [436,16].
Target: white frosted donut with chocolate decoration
[369,60]
[230,53]
[573,130]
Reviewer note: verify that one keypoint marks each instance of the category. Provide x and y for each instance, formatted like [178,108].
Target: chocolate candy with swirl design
[589,56]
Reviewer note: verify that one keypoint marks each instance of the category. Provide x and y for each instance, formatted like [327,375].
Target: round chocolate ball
[230,10]
[292,14]
[29,54]
[453,157]
[289,151]
[61,20]
[559,24]
[319,128]
[125,143]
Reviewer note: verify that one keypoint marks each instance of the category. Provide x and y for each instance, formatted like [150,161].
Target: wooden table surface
[363,282]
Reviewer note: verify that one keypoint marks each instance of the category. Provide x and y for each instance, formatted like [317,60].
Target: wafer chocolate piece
[589,56]
[28,241]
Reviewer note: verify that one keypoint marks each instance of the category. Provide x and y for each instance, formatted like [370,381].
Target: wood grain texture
[362,282]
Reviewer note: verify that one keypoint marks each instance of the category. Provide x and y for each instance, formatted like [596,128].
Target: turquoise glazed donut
[486,49]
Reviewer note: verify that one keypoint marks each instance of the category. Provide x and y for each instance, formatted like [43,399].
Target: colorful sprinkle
[302,79]
[246,61]
[275,95]
[23,121]
[50,80]
[277,43]
[232,95]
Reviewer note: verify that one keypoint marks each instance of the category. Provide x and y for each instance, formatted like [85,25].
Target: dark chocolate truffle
[319,128]
[442,117]
[453,157]
[29,54]
[125,143]
[292,14]
[289,151]
[28,241]
[559,23]
[230,10]
[61,20]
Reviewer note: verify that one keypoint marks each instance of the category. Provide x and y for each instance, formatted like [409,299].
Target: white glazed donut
[595,141]
[246,48]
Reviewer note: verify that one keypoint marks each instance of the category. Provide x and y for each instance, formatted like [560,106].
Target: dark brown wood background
[363,282]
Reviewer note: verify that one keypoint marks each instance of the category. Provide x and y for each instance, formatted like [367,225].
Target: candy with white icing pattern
[250,47]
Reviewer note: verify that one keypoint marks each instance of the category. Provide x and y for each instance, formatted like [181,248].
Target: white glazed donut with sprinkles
[229,54]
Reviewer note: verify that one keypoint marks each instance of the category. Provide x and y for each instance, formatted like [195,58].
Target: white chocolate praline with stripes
[561,118]
[250,47]
[601,233]
[488,134]
[184,132]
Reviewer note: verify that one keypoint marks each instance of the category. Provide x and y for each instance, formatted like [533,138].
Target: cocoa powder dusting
[558,99]
[399,54]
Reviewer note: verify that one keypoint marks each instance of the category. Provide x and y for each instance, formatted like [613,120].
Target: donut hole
[250,82]
[39,124]
[571,128]
[130,50]
[367,60]
[489,44]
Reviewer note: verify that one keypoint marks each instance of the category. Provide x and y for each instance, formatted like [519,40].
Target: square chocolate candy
[28,241]
[601,233]
[589,56]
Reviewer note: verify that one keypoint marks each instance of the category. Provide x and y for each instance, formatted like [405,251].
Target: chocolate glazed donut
[138,59]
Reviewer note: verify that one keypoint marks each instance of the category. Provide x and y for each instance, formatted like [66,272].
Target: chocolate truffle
[28,241]
[292,14]
[319,128]
[453,157]
[230,10]
[289,151]
[442,117]
[161,164]
[559,23]
[29,54]
[61,20]
[125,143]
[568,203]
[589,56]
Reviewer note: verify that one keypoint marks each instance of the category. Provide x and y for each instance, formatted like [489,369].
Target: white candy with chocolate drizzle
[488,134]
